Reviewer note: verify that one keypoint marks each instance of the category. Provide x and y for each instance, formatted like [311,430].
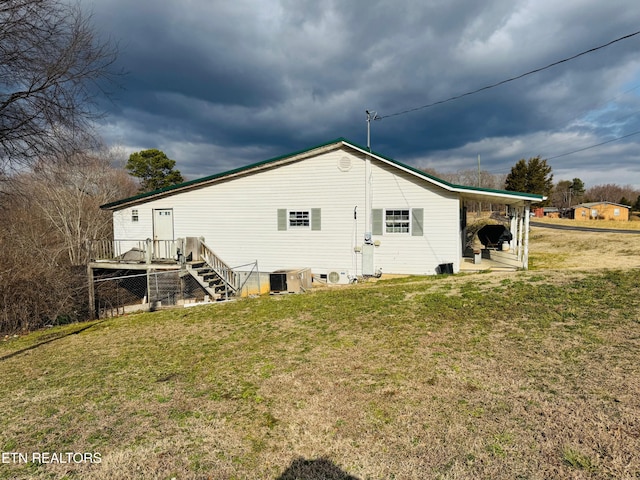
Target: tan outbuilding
[601,211]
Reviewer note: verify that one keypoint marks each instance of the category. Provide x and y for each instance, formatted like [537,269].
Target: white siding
[239,217]
[440,243]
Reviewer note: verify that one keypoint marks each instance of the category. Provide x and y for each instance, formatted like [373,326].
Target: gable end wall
[239,218]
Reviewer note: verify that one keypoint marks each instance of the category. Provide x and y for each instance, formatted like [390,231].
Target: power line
[594,146]
[504,170]
[456,97]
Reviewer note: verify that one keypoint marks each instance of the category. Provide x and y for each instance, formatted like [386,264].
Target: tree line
[54,171]
[535,175]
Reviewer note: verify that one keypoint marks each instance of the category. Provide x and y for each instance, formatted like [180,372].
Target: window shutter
[376,216]
[417,220]
[316,219]
[282,219]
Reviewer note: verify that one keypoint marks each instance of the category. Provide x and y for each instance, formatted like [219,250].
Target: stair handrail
[225,272]
[254,266]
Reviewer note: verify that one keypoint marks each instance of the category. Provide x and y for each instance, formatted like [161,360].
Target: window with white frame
[616,212]
[134,215]
[397,221]
[299,218]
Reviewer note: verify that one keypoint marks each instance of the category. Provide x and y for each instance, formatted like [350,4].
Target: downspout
[368,200]
[354,248]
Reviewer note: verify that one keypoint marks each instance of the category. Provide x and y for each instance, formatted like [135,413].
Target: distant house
[601,211]
[336,209]
[549,212]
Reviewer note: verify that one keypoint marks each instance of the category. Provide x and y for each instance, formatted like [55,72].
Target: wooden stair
[215,276]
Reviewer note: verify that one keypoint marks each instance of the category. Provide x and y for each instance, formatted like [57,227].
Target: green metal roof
[174,189]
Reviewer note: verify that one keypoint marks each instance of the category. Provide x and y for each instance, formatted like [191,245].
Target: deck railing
[133,250]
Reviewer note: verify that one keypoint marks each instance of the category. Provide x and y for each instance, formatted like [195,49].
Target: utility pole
[370,116]
[570,192]
[368,194]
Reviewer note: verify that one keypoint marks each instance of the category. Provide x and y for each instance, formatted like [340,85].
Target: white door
[163,244]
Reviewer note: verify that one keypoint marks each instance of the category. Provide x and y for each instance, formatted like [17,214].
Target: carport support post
[520,228]
[525,256]
[513,212]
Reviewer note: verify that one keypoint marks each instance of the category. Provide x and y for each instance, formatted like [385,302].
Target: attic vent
[344,164]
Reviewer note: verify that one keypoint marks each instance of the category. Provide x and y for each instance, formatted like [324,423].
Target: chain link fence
[118,292]
[121,291]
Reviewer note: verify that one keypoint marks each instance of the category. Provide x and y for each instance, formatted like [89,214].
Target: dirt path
[583,228]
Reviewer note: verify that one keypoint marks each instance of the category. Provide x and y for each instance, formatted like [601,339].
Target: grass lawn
[528,375]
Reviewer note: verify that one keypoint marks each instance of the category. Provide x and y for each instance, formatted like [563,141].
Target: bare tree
[67,196]
[52,68]
[47,215]
[561,195]
[471,178]
[610,192]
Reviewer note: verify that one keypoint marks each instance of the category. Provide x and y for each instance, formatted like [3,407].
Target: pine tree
[531,176]
[154,169]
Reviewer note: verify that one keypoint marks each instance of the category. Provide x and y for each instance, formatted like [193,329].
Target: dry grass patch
[558,249]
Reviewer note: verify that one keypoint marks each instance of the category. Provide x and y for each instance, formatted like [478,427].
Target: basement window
[396,221]
[299,218]
[134,215]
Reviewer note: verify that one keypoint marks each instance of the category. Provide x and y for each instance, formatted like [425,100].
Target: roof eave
[506,196]
[496,195]
[462,189]
[205,181]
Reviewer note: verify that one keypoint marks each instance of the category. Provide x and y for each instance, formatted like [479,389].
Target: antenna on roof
[370,116]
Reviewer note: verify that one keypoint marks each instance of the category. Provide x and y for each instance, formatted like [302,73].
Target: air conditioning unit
[337,277]
[292,281]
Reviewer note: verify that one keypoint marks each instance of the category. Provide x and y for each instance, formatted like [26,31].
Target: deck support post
[148,251]
[92,293]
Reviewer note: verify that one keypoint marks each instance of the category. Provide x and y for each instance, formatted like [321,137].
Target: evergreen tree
[577,189]
[154,169]
[531,176]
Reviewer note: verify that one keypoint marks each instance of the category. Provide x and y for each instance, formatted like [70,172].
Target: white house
[335,208]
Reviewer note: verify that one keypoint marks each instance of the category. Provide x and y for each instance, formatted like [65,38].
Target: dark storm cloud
[218,84]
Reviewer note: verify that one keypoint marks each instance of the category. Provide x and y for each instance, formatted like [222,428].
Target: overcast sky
[221,84]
